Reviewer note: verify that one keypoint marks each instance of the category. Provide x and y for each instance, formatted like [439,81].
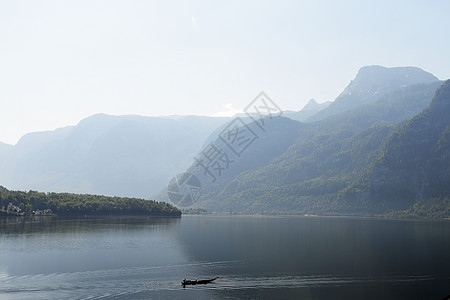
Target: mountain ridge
[110,155]
[317,167]
[371,82]
[311,108]
[309,175]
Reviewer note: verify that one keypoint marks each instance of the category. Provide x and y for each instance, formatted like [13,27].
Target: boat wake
[119,282]
[165,282]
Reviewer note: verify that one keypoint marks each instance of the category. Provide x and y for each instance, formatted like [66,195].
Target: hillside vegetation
[370,160]
[72,204]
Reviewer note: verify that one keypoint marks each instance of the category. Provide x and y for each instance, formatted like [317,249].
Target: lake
[256,257]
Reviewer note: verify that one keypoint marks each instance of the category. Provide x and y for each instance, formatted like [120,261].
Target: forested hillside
[332,157]
[414,167]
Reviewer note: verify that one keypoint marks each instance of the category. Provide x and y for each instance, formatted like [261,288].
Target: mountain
[311,108]
[130,156]
[393,107]
[278,135]
[370,83]
[340,164]
[328,157]
[415,163]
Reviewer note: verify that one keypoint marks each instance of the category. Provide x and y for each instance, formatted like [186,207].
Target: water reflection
[255,257]
[322,255]
[54,224]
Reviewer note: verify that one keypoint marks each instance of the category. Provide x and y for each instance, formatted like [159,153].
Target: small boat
[196,281]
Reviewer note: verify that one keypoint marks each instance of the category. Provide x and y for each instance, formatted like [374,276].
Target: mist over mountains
[381,146]
[109,155]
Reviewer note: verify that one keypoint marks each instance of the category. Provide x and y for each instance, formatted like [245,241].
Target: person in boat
[196,280]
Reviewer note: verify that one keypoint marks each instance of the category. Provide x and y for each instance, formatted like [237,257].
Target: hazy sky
[61,61]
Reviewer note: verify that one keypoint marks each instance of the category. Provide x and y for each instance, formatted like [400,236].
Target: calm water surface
[255,257]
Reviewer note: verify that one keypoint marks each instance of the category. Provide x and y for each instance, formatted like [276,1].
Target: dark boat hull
[194,282]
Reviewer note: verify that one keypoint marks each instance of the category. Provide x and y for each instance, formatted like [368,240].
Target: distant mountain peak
[410,75]
[308,110]
[311,105]
[377,68]
[371,82]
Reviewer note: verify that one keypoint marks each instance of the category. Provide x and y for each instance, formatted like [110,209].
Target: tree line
[65,204]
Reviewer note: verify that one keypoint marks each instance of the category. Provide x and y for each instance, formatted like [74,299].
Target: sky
[62,61]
